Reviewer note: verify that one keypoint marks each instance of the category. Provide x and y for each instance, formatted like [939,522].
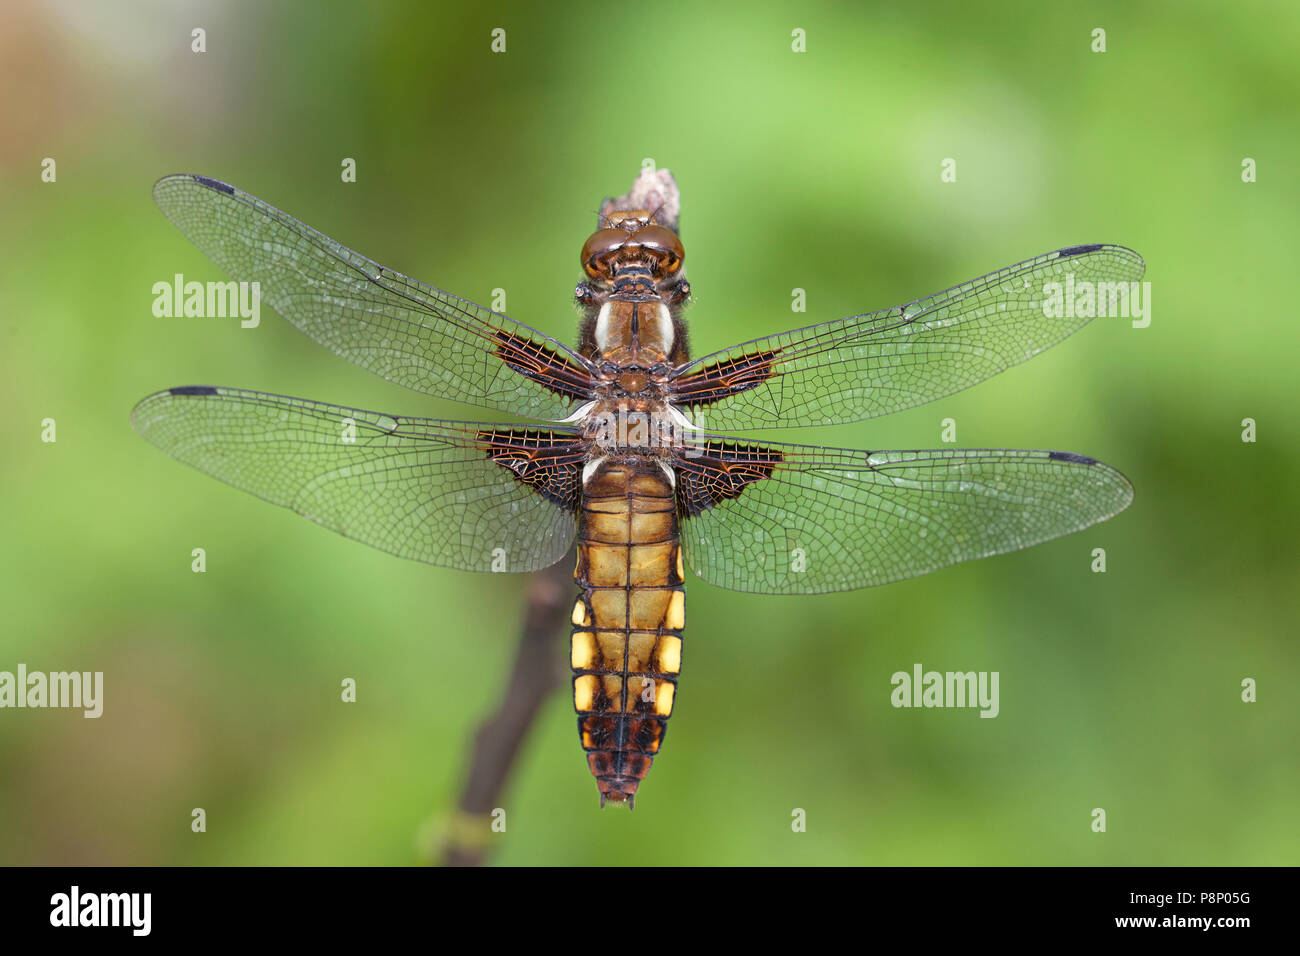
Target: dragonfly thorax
[635,332]
[639,428]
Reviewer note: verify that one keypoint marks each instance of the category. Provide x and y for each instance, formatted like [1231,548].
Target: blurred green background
[817,170]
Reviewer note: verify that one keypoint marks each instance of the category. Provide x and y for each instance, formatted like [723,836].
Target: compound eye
[598,248]
[663,245]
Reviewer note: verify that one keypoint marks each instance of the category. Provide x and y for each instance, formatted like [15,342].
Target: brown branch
[538,670]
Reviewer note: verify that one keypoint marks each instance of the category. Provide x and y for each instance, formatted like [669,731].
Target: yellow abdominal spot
[584,692]
[664,699]
[583,650]
[580,615]
[675,617]
[670,654]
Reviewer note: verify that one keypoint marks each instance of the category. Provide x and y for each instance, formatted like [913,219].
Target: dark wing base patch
[728,377]
[542,365]
[715,472]
[549,464]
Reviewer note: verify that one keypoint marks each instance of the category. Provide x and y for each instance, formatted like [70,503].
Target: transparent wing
[462,495]
[404,330]
[797,519]
[882,362]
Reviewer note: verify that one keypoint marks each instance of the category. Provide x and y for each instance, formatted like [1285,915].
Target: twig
[538,670]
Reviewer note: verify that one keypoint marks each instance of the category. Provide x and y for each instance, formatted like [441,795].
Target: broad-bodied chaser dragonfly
[627,461]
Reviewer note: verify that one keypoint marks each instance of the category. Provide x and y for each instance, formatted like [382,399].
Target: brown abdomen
[626,646]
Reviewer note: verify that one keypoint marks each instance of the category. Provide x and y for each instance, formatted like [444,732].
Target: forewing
[882,362]
[395,326]
[477,497]
[795,519]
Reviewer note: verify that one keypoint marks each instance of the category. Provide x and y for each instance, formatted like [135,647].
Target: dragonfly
[626,449]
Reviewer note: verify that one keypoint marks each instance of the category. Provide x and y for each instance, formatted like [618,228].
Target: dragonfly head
[632,241]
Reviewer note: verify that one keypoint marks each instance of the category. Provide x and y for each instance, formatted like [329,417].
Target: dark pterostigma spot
[193,390]
[1078,250]
[216,184]
[1072,457]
